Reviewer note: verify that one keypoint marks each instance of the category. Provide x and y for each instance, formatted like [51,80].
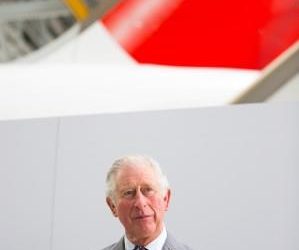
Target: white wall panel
[233,171]
[27,159]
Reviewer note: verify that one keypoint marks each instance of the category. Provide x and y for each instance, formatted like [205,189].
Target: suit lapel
[119,245]
[170,243]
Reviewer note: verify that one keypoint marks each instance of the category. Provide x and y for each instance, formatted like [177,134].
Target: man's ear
[166,199]
[111,206]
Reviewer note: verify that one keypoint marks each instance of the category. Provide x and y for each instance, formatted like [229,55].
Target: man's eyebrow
[126,188]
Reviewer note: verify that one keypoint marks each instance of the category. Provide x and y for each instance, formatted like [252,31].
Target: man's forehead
[129,173]
[139,167]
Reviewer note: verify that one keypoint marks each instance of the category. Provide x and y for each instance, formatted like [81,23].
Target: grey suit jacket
[170,244]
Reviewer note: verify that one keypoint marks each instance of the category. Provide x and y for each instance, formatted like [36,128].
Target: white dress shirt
[156,244]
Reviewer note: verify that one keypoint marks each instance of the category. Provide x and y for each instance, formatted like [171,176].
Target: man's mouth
[141,217]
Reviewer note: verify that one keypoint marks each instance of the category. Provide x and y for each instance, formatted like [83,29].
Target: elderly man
[138,194]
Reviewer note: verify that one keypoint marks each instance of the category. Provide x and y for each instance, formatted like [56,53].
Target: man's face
[139,203]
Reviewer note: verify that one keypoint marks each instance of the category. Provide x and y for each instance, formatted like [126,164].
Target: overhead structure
[153,32]
[27,25]
[273,77]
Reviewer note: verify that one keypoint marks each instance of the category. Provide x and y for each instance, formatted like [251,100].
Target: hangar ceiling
[27,25]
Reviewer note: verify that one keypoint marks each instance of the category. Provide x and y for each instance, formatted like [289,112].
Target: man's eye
[128,193]
[148,191]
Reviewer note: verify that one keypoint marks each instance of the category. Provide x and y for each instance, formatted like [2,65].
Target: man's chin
[146,228]
[143,233]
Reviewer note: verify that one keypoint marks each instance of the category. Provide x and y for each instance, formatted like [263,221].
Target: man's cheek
[159,205]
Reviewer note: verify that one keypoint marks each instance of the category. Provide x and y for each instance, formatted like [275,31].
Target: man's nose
[140,200]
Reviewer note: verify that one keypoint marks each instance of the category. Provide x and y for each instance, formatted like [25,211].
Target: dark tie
[137,247]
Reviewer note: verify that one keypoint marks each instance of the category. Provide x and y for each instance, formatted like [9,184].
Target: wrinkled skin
[139,203]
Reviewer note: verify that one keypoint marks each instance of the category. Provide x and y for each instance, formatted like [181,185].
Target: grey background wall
[233,171]
[27,164]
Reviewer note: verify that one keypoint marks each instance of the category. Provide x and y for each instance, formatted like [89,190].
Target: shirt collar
[156,244]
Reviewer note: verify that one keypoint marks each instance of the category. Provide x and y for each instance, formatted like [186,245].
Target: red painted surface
[219,33]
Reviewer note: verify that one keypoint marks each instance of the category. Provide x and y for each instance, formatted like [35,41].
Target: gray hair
[134,159]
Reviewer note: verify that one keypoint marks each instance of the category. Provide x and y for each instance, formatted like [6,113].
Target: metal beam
[103,7]
[273,77]
[20,11]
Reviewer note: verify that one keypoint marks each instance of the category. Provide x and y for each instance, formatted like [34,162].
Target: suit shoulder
[116,246]
[185,247]
[171,244]
[110,247]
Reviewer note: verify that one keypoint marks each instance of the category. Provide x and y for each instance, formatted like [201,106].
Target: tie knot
[137,247]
